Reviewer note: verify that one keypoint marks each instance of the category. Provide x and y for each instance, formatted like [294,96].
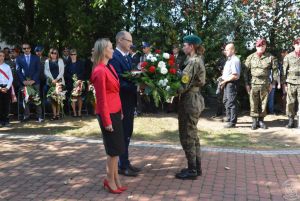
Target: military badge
[185,79]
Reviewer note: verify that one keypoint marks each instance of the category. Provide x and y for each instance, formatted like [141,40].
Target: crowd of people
[66,78]
[35,80]
[262,73]
[43,78]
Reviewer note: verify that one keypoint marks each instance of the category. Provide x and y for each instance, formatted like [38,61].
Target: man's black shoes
[127,172]
[229,125]
[291,123]
[187,174]
[131,171]
[133,168]
[199,172]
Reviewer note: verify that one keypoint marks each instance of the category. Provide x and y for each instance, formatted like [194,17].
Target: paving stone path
[45,168]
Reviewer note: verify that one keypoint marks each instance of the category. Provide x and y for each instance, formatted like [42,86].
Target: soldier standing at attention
[257,73]
[291,81]
[190,106]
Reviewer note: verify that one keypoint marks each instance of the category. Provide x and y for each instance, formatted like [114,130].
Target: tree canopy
[162,23]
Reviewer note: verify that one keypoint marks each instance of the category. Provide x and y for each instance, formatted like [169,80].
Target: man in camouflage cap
[190,106]
[258,68]
[291,80]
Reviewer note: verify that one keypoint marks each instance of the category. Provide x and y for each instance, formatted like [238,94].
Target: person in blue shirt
[28,70]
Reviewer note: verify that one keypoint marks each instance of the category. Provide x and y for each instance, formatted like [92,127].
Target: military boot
[198,166]
[291,123]
[187,174]
[261,123]
[254,123]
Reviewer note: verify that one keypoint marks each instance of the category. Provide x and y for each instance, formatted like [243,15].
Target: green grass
[159,128]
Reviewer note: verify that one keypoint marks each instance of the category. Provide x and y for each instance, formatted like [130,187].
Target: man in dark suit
[39,52]
[128,92]
[135,57]
[28,70]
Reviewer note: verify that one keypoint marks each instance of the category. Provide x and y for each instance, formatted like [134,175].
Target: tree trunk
[29,19]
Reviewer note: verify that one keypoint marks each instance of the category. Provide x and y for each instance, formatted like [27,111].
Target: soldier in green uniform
[260,71]
[190,106]
[291,80]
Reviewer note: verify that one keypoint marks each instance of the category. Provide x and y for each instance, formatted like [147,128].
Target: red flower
[157,51]
[151,69]
[172,71]
[172,57]
[144,64]
[171,62]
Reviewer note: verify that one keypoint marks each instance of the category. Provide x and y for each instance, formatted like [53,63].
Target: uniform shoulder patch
[185,79]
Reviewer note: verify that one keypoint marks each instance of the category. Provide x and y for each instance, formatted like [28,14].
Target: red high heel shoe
[123,188]
[106,185]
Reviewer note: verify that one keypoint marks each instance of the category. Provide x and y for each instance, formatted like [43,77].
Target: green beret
[192,39]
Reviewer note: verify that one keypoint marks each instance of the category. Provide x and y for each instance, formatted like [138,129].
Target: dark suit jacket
[32,71]
[135,59]
[121,66]
[69,72]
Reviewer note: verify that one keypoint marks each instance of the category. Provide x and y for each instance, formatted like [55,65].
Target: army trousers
[190,107]
[259,99]
[293,94]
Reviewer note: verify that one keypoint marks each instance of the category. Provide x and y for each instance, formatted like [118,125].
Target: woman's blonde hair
[53,50]
[199,49]
[99,48]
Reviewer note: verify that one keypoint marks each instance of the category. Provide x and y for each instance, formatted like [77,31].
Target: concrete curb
[153,145]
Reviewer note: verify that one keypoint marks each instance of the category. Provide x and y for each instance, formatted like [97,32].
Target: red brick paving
[43,170]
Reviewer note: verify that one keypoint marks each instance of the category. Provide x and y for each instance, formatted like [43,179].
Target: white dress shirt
[3,80]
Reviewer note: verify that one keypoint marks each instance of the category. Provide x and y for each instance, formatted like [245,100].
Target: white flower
[149,56]
[153,59]
[166,80]
[157,55]
[163,70]
[161,64]
[166,55]
[161,82]
[168,88]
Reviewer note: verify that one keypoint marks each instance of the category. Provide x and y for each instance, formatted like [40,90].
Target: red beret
[296,41]
[260,42]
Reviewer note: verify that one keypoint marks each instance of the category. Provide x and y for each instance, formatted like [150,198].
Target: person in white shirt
[6,80]
[230,76]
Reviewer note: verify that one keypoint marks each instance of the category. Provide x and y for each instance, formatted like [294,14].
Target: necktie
[27,60]
[126,59]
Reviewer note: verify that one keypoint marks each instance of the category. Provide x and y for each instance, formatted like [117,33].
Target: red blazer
[107,89]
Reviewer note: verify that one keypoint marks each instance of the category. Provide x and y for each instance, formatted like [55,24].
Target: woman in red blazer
[109,112]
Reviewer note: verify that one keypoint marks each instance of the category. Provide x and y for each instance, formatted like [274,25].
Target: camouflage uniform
[191,104]
[257,75]
[291,76]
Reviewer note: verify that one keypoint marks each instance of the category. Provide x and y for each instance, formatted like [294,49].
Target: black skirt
[113,141]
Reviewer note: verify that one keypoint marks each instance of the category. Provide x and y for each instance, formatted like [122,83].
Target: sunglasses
[26,48]
[53,52]
[73,54]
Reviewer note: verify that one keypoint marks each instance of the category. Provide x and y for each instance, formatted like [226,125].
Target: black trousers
[128,100]
[230,101]
[4,107]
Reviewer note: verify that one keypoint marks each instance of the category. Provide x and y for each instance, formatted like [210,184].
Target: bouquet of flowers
[31,94]
[56,92]
[78,87]
[158,76]
[91,94]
